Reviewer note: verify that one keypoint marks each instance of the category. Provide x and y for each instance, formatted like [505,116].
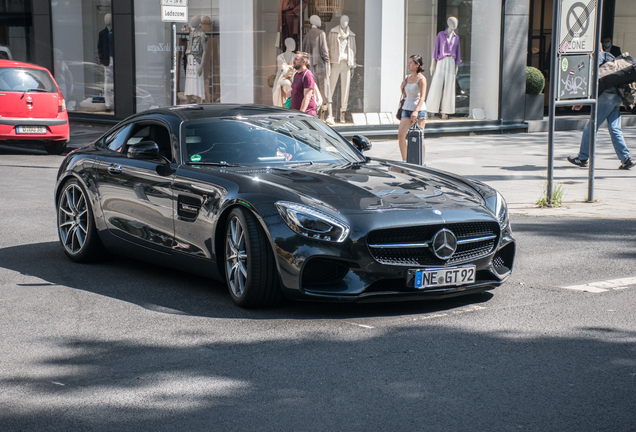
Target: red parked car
[32,108]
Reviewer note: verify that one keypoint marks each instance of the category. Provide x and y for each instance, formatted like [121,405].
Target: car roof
[13,63]
[215,110]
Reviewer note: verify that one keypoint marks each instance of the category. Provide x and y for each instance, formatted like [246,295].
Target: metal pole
[594,95]
[553,92]
[302,18]
[173,71]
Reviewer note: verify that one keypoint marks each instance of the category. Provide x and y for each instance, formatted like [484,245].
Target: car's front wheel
[250,270]
[76,225]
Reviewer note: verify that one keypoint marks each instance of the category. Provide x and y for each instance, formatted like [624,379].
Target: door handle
[114,169]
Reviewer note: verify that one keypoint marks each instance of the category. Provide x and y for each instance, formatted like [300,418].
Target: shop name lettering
[163,48]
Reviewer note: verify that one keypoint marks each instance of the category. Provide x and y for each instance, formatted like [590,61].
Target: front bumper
[348,272]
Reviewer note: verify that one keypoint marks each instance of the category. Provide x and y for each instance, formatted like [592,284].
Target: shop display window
[197,75]
[463,74]
[240,51]
[83,54]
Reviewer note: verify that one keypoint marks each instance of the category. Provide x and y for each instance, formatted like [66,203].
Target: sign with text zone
[577,26]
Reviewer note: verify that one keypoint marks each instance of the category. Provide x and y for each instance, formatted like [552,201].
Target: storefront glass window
[197,59]
[465,78]
[83,54]
[240,51]
[16,31]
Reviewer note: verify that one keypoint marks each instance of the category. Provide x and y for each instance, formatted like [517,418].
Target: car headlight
[312,223]
[497,204]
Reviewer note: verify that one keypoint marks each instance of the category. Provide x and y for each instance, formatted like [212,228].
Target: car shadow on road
[166,290]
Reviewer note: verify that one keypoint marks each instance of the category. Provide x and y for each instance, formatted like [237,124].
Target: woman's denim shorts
[420,115]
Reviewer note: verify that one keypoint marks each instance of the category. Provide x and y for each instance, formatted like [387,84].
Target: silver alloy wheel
[72,218]
[236,257]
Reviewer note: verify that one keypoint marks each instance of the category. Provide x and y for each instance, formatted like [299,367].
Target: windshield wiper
[299,163]
[222,163]
[35,90]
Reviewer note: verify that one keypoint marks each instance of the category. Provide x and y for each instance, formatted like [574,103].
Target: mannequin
[315,44]
[105,54]
[196,53]
[342,53]
[284,73]
[444,66]
[289,21]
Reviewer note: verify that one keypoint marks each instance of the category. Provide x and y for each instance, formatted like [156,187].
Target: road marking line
[603,286]
[360,325]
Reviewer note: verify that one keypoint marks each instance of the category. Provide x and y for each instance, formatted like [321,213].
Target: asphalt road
[125,345]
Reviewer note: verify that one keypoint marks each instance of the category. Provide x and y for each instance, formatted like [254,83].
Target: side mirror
[143,150]
[361,142]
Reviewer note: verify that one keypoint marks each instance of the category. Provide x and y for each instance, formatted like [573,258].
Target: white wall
[383,54]
[624,28]
[236,51]
[484,69]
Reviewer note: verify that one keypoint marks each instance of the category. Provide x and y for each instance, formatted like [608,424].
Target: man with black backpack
[608,108]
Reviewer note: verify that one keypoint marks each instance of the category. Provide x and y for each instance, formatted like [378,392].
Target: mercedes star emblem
[444,244]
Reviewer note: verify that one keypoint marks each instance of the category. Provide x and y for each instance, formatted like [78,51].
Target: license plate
[31,129]
[442,277]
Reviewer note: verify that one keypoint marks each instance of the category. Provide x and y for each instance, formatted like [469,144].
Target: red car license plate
[31,129]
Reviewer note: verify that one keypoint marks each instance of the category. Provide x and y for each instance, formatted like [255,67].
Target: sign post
[576,32]
[174,11]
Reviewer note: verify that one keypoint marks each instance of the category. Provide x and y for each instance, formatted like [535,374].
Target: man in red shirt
[303,85]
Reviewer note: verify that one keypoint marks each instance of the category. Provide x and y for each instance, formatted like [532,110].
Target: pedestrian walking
[302,91]
[413,90]
[608,108]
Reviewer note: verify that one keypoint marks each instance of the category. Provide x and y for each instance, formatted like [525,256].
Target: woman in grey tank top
[414,109]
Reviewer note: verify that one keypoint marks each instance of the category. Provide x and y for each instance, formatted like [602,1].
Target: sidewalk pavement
[516,165]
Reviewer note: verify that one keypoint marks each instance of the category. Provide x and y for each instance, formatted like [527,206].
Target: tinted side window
[116,140]
[155,133]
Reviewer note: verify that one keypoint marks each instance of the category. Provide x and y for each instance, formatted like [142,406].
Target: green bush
[535,82]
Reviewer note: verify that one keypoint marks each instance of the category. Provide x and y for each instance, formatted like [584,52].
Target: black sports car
[279,204]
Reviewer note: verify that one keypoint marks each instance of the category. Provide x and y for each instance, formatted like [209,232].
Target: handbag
[398,115]
[288,103]
[399,111]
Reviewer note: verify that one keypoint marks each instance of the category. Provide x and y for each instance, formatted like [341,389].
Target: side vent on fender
[188,207]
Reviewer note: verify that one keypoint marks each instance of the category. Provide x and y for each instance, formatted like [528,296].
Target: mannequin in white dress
[196,54]
[284,73]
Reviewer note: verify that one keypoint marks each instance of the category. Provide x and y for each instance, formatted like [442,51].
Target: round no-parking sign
[577,27]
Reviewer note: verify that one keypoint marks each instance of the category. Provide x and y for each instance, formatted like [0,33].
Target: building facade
[113,58]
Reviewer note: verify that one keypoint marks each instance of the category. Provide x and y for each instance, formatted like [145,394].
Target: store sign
[174,11]
[574,77]
[577,26]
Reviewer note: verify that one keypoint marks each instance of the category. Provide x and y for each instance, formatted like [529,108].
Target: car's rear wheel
[250,270]
[76,225]
[55,148]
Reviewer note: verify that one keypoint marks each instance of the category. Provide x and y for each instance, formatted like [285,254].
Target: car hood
[373,185]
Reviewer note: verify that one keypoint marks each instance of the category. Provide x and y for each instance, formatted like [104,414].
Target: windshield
[19,80]
[281,139]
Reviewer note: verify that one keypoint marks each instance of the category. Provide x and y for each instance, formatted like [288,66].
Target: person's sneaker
[629,163]
[578,162]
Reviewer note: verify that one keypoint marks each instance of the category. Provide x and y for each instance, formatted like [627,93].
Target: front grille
[420,256]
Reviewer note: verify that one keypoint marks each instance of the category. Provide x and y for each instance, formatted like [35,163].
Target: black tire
[76,225]
[250,270]
[55,148]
